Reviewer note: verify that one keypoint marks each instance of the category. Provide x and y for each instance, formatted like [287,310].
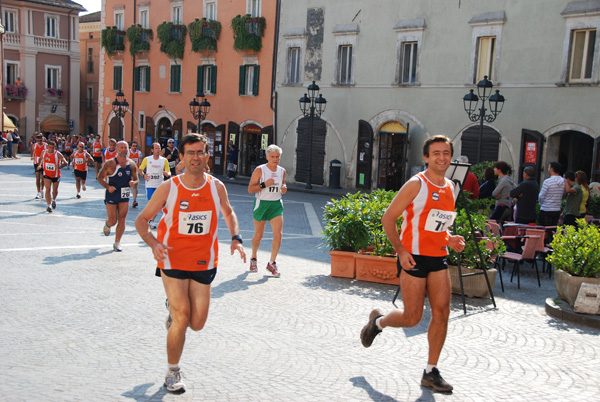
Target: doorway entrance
[572,149]
[393,147]
[163,132]
[251,154]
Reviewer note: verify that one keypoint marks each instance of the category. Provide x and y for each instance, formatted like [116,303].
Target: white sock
[378,323]
[173,366]
[429,368]
[271,262]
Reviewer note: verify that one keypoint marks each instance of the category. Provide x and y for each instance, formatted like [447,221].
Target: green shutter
[148,78]
[242,80]
[213,80]
[175,78]
[255,83]
[199,78]
[117,77]
[136,78]
[178,78]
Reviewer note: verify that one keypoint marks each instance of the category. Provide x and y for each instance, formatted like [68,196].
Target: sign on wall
[531,152]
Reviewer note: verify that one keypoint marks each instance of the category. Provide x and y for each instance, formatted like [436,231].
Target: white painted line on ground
[313,219]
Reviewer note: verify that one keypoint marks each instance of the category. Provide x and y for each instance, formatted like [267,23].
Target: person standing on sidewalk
[155,169]
[268,184]
[551,196]
[426,203]
[117,176]
[186,246]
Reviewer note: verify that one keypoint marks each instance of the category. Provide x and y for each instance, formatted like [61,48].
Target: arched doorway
[480,150]
[250,155]
[208,130]
[163,132]
[393,148]
[116,129]
[572,149]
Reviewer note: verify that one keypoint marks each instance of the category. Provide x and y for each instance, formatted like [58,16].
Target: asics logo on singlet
[195,195]
[435,196]
[183,205]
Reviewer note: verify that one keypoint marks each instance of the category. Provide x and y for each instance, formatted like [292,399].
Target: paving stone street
[84,323]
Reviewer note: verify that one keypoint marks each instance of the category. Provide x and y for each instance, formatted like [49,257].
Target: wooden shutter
[529,136]
[136,78]
[306,151]
[364,155]
[490,144]
[147,78]
[117,74]
[255,83]
[213,80]
[200,79]
[242,80]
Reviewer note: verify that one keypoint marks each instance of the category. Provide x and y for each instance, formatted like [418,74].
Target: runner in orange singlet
[187,246]
[97,153]
[136,156]
[426,203]
[51,163]
[37,149]
[110,152]
[80,159]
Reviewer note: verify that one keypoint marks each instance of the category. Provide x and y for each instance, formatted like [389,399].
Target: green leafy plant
[139,39]
[204,35]
[112,40]
[594,206]
[172,39]
[490,248]
[248,32]
[576,250]
[353,223]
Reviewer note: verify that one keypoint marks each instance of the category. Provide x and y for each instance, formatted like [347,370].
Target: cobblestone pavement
[83,323]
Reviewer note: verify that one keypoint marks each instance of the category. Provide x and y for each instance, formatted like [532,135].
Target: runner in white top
[155,169]
[136,156]
[268,184]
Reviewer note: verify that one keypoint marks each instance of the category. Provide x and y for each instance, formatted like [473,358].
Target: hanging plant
[139,39]
[112,40]
[204,35]
[248,32]
[172,39]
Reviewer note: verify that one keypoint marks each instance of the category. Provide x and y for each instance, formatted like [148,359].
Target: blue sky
[90,5]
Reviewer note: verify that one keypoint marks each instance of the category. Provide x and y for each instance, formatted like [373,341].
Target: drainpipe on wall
[133,73]
[69,66]
[274,71]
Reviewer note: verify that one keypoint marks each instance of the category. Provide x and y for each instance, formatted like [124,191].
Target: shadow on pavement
[235,285]
[139,393]
[361,382]
[91,254]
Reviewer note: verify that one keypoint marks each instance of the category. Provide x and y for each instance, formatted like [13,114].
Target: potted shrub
[345,233]
[474,286]
[576,258]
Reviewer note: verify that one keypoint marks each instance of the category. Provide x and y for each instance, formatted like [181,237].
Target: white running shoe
[117,247]
[38,196]
[83,187]
[106,229]
[173,381]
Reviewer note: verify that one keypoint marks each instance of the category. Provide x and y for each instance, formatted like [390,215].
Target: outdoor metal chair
[528,255]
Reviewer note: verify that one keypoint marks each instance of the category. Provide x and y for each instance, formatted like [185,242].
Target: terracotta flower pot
[567,285]
[373,268]
[342,264]
[474,286]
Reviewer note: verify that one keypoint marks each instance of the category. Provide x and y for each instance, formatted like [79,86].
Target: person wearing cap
[171,153]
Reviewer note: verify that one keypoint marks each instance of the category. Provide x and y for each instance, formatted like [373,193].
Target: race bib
[195,223]
[51,167]
[125,191]
[155,176]
[172,164]
[439,220]
[79,161]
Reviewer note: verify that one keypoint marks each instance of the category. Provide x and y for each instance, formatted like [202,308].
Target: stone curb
[565,312]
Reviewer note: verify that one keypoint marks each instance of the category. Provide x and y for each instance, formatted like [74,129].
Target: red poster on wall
[531,152]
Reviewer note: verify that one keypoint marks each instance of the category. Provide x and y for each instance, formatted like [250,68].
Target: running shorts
[267,210]
[424,265]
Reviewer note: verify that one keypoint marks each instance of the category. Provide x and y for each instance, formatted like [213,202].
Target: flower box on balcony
[112,40]
[139,39]
[248,32]
[204,35]
[13,91]
[172,39]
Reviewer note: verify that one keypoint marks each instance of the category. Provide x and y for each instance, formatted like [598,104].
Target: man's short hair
[529,171]
[52,143]
[134,142]
[570,175]
[192,139]
[437,138]
[274,148]
[557,167]
[112,141]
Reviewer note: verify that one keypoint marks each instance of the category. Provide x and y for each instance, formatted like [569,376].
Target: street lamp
[120,106]
[496,102]
[312,106]
[199,109]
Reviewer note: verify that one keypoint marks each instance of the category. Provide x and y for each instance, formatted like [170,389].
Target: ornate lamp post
[120,106]
[199,109]
[496,102]
[312,106]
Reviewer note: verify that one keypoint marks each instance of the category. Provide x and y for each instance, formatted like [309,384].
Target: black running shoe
[370,331]
[49,210]
[53,204]
[434,380]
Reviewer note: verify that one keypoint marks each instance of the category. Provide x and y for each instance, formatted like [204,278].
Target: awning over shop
[8,124]
[54,123]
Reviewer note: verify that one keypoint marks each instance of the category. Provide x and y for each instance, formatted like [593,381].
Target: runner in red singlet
[80,158]
[51,163]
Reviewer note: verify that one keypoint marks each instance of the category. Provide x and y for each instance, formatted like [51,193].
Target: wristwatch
[262,185]
[238,238]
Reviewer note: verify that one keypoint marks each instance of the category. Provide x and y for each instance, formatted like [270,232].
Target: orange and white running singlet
[426,221]
[38,150]
[189,225]
[80,161]
[50,164]
[97,149]
[135,156]
[108,154]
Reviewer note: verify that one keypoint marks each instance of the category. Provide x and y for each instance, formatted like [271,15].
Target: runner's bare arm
[230,219]
[134,174]
[283,185]
[63,162]
[107,168]
[401,201]
[254,185]
[156,203]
